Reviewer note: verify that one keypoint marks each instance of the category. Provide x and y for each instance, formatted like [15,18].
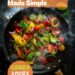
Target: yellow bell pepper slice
[18,39]
[30,62]
[61,48]
[31,25]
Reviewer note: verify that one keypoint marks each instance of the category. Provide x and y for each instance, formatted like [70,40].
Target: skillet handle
[59,72]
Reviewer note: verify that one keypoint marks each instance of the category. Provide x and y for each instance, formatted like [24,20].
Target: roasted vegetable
[34,41]
[30,62]
[54,22]
[45,38]
[38,54]
[19,52]
[53,39]
[50,47]
[23,24]
[27,37]
[61,48]
[40,17]
[18,29]
[50,59]
[38,44]
[54,52]
[61,39]
[41,48]
[44,41]
[30,56]
[43,60]
[39,27]
[30,27]
[56,31]
[46,22]
[32,17]
[18,39]
[27,51]
[26,19]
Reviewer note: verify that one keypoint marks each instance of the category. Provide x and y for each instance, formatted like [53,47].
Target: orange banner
[20,68]
[38,3]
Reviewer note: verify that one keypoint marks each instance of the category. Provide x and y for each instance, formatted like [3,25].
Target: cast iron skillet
[38,68]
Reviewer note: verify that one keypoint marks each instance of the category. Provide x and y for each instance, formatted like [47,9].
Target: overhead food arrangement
[37,37]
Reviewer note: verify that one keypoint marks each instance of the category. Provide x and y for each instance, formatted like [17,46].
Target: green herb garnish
[23,24]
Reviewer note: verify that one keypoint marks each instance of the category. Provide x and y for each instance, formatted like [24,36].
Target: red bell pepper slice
[27,51]
[37,28]
[18,29]
[46,22]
